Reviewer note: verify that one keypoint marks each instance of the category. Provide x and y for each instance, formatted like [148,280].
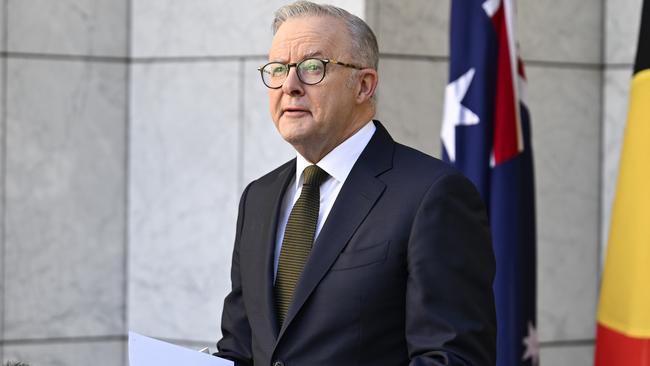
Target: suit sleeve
[235,344]
[450,313]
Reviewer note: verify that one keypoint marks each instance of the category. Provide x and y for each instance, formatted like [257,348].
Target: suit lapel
[355,200]
[263,281]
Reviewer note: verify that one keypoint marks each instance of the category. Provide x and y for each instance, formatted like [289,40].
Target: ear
[368,80]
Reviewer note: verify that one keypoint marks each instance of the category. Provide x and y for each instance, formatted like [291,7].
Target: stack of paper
[145,351]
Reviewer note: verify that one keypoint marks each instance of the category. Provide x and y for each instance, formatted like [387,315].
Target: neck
[314,151]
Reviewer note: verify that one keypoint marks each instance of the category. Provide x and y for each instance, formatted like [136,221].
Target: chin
[294,131]
[294,139]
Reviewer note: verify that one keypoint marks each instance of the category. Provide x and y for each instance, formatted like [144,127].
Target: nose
[292,85]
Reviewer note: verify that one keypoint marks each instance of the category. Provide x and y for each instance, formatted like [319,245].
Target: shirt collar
[339,162]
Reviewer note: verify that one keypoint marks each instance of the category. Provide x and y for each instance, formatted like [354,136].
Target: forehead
[301,37]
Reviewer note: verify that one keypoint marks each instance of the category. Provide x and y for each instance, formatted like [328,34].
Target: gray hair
[364,42]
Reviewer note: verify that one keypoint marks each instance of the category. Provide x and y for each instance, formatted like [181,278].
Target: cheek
[274,104]
[332,106]
[318,103]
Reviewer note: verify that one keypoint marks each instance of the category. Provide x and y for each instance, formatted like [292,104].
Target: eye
[311,66]
[275,70]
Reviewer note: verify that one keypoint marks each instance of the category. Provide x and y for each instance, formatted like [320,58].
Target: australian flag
[486,134]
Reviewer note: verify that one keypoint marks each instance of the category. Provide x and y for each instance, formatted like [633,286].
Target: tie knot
[314,175]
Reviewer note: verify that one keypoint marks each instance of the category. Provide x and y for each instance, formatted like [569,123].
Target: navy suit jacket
[400,274]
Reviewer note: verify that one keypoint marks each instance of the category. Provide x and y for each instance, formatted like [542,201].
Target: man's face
[313,117]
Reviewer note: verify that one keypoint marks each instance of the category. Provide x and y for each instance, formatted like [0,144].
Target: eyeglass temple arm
[344,64]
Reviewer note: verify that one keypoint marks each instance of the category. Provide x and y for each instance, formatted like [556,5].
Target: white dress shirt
[338,164]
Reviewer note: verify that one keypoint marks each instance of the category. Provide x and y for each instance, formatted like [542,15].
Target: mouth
[295,112]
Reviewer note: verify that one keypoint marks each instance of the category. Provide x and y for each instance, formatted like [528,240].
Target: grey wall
[3,47]
[562,44]
[621,30]
[64,172]
[130,128]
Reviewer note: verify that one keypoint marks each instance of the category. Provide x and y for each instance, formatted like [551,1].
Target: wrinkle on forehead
[301,38]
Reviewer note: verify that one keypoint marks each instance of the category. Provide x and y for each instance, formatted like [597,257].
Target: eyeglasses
[310,71]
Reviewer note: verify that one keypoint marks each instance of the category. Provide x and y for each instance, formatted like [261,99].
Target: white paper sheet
[145,351]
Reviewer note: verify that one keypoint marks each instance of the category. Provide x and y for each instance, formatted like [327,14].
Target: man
[360,251]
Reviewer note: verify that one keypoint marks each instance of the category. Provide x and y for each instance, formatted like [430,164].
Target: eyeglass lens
[310,71]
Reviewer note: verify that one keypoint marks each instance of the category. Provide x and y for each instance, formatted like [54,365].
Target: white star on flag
[532,345]
[491,7]
[456,114]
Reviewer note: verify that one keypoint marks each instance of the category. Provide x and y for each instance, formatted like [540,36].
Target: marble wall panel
[569,31]
[69,27]
[567,356]
[2,244]
[184,158]
[207,27]
[96,353]
[410,101]
[564,105]
[411,27]
[3,21]
[622,21]
[65,199]
[264,148]
[616,90]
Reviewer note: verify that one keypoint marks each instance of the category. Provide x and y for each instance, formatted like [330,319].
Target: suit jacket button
[278,363]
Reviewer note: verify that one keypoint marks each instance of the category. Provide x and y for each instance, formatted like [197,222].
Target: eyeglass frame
[325,62]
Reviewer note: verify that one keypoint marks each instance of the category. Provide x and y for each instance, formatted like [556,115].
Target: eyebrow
[312,54]
[307,55]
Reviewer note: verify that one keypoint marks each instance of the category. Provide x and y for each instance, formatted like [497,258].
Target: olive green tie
[298,239]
